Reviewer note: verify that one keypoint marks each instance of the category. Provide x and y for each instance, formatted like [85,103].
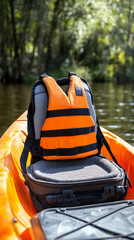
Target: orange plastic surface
[16,207]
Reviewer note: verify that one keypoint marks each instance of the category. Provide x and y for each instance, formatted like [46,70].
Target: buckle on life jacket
[71,74]
[43,75]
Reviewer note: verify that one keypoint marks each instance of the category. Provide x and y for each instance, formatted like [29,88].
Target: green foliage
[94,38]
[30,78]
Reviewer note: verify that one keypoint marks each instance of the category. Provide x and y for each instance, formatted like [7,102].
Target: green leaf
[121,57]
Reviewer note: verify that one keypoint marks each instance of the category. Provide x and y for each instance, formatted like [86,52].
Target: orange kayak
[16,207]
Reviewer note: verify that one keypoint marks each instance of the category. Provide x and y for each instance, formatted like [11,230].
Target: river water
[114,106]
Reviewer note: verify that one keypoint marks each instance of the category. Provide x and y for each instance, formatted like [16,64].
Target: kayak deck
[15,201]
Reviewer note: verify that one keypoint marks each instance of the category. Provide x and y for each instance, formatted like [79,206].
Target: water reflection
[114,106]
[14,101]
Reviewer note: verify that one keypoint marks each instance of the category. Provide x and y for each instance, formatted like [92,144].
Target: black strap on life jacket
[30,139]
[26,149]
[102,140]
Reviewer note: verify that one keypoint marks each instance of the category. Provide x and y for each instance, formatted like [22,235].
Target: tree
[38,36]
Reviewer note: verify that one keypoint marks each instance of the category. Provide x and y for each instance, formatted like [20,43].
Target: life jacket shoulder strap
[30,139]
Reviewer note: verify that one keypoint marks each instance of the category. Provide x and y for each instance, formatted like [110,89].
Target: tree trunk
[50,36]
[6,78]
[25,20]
[17,75]
[35,40]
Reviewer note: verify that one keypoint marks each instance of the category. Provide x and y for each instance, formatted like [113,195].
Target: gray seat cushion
[87,169]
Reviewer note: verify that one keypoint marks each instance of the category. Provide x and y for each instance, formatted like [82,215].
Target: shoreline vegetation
[93,38]
[60,73]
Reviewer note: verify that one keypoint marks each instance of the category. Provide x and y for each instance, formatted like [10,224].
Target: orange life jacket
[68,131]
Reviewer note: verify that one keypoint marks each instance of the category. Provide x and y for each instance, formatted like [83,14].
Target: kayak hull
[15,201]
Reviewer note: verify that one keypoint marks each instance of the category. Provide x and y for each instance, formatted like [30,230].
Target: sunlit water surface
[114,106]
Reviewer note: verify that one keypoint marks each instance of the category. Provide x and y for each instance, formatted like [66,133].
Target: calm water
[114,106]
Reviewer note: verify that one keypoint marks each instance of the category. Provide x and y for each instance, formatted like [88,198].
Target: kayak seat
[70,183]
[91,168]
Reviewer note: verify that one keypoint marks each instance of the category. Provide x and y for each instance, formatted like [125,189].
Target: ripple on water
[122,104]
[127,134]
[113,126]
[100,110]
[123,118]
[118,110]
